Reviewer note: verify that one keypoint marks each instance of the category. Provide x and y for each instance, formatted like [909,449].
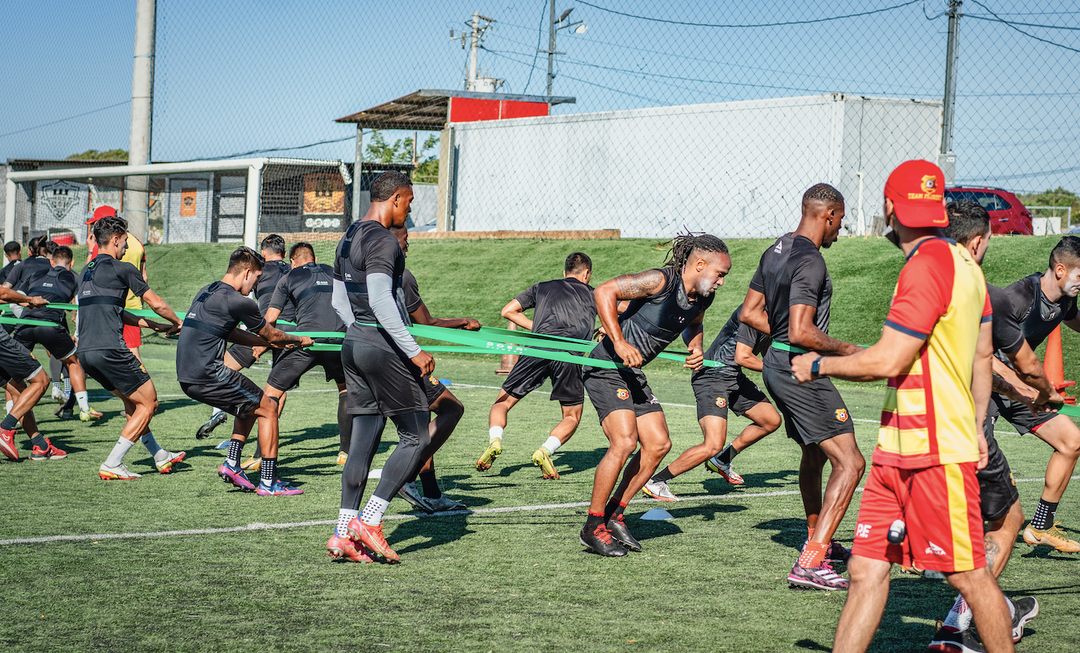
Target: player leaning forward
[663,304]
[383,366]
[935,351]
[103,354]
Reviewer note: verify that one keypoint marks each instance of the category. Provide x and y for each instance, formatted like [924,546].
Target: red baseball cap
[101,212]
[917,189]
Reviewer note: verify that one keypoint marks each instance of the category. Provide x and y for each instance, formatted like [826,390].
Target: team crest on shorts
[841,415]
[622,393]
[721,402]
[433,380]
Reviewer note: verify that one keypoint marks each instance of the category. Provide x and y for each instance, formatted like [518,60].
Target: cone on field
[1054,365]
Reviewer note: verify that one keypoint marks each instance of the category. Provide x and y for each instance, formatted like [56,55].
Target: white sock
[494,433]
[551,445]
[345,516]
[1012,608]
[215,413]
[959,617]
[67,385]
[151,444]
[119,450]
[373,511]
[83,399]
[8,405]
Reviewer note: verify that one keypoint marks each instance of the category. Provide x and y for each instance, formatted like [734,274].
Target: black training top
[103,287]
[792,271]
[369,248]
[308,291]
[6,271]
[564,307]
[1037,315]
[217,310]
[652,323]
[722,349]
[272,273]
[412,291]
[31,266]
[58,285]
[1008,334]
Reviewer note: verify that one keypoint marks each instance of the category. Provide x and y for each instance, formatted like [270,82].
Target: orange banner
[324,193]
[187,202]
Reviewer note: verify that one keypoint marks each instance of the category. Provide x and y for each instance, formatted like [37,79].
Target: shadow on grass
[432,532]
[791,532]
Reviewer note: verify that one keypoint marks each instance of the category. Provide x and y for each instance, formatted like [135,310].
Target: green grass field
[509,576]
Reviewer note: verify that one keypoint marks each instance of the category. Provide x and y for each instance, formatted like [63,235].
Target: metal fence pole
[251,205]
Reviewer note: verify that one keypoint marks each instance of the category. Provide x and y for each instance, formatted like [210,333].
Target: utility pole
[476,34]
[947,160]
[554,25]
[137,193]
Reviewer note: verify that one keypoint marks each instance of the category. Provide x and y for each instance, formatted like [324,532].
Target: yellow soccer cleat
[490,454]
[342,458]
[1052,537]
[251,464]
[542,459]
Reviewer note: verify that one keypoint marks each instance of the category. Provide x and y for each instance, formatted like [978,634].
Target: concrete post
[9,211]
[137,189]
[252,199]
[357,173]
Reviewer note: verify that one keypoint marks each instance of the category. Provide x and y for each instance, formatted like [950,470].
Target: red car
[1008,215]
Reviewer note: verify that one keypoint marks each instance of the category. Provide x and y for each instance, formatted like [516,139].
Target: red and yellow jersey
[929,414]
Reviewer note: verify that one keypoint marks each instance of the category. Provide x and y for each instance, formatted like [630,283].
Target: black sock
[727,454]
[593,520]
[430,485]
[1044,515]
[663,475]
[70,403]
[236,449]
[268,471]
[612,508]
[9,422]
[39,441]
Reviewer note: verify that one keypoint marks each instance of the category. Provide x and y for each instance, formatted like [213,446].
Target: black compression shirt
[1008,335]
[217,310]
[272,273]
[307,292]
[58,285]
[564,307]
[411,288]
[29,268]
[369,248]
[103,287]
[652,323]
[1037,315]
[6,271]
[792,271]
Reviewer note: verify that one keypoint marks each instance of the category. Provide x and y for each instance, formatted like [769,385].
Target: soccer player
[217,311]
[134,254]
[13,255]
[663,304]
[383,365]
[716,389]
[564,307]
[103,354]
[935,351]
[789,298]
[57,285]
[25,382]
[447,408]
[40,248]
[307,290]
[969,226]
[241,357]
[1040,303]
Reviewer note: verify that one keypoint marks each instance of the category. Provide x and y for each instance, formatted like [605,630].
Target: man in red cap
[136,255]
[920,506]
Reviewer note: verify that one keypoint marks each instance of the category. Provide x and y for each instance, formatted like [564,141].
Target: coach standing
[935,351]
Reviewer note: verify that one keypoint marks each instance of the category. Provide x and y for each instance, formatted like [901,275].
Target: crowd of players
[957,353]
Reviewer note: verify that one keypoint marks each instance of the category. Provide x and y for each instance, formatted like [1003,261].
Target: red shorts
[132,336]
[939,505]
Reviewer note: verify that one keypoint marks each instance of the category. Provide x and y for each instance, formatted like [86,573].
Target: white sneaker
[444,504]
[414,499]
[59,396]
[165,460]
[659,490]
[118,473]
[724,469]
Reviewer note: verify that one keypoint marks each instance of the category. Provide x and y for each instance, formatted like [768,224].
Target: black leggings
[400,467]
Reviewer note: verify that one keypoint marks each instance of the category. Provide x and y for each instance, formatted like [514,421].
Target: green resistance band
[783,346]
[1066,409]
[16,320]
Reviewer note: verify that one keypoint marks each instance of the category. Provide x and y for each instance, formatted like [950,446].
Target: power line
[54,122]
[1013,22]
[536,50]
[1027,34]
[737,25]
[1026,175]
[271,149]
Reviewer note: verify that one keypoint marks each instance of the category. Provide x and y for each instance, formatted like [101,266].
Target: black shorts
[16,361]
[620,389]
[291,364]
[232,392]
[716,392]
[1018,415]
[380,380]
[997,488]
[55,339]
[529,373]
[114,369]
[433,388]
[813,412]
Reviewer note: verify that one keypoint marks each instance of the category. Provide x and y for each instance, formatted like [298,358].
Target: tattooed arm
[610,293]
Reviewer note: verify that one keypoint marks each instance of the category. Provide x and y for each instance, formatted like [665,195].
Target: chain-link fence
[712,116]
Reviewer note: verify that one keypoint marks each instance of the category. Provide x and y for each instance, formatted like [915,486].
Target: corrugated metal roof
[426,109]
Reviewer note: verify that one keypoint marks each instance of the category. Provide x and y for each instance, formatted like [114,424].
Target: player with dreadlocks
[663,304]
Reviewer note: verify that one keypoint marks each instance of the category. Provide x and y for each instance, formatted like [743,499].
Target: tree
[94,155]
[427,165]
[1056,197]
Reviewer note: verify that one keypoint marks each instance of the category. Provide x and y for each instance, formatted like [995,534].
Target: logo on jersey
[779,246]
[721,402]
[622,393]
[841,415]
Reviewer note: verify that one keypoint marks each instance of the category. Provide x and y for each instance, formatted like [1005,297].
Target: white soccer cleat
[659,491]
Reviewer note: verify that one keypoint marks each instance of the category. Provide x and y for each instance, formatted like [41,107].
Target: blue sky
[240,75]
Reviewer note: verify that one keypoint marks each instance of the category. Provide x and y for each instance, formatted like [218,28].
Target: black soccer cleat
[206,429]
[617,526]
[1027,609]
[948,640]
[600,540]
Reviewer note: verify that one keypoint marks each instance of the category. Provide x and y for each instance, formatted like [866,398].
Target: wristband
[815,366]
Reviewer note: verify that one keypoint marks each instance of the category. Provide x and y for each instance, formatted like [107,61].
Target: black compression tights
[344,422]
[367,430]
